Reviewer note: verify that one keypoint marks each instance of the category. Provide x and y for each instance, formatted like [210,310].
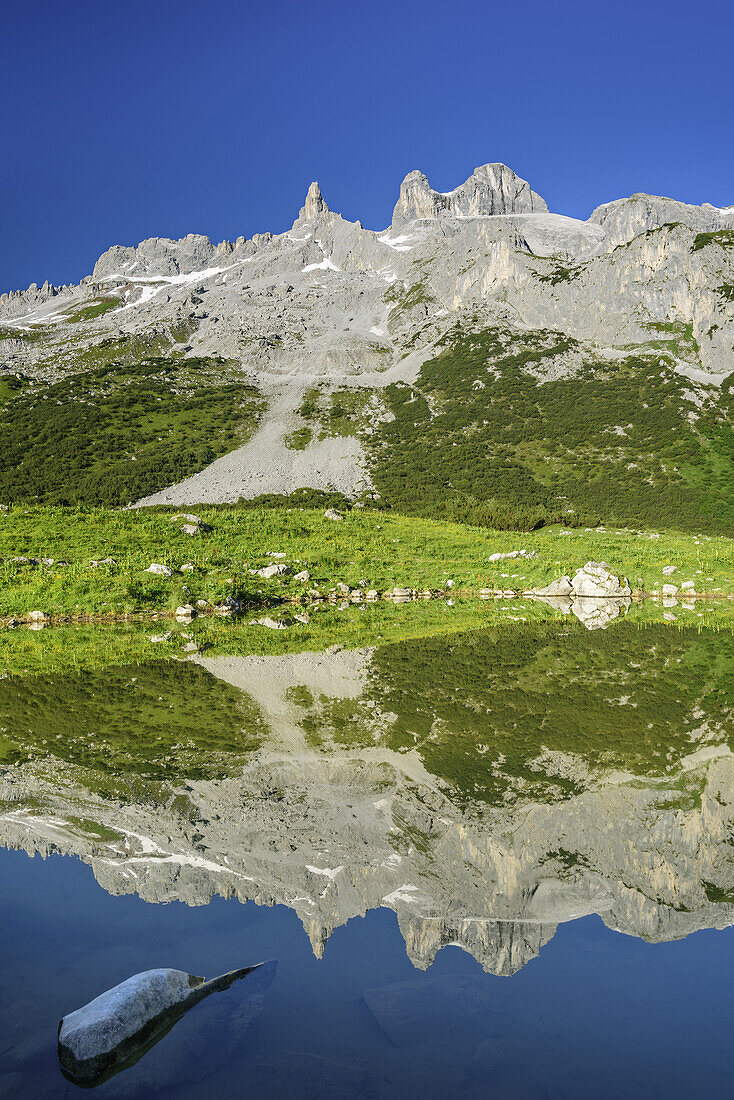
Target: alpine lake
[483,851]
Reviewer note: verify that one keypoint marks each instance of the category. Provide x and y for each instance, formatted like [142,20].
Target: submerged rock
[111,1032]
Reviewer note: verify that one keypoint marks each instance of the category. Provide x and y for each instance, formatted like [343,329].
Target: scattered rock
[159,570]
[38,617]
[185,611]
[191,529]
[668,570]
[331,513]
[160,637]
[272,624]
[450,584]
[187,568]
[269,571]
[303,577]
[191,647]
[669,589]
[512,554]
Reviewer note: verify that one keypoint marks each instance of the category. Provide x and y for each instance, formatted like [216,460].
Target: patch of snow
[397,243]
[325,265]
[403,893]
[326,871]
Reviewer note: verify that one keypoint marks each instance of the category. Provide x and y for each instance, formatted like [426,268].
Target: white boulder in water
[110,1032]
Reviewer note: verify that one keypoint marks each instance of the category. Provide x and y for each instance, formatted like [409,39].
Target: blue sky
[155,118]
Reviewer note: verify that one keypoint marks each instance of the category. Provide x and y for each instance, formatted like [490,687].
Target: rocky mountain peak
[315,204]
[491,189]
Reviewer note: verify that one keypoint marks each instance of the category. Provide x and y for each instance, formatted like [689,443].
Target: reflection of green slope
[481,708]
[157,721]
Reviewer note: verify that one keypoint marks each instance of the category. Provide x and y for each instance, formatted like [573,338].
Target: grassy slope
[384,549]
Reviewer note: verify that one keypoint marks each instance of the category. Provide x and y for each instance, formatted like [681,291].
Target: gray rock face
[491,189]
[314,205]
[106,1035]
[625,219]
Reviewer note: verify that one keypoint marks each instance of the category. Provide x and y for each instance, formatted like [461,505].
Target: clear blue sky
[158,118]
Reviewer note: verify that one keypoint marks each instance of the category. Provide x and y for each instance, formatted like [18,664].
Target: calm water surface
[496,863]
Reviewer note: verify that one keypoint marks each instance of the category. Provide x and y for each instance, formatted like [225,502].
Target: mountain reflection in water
[485,786]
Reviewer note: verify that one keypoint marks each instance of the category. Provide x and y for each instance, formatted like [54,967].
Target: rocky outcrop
[595,595]
[314,206]
[624,219]
[491,189]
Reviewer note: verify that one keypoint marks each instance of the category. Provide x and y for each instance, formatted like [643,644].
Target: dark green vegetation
[497,713]
[118,431]
[485,709]
[155,722]
[299,439]
[723,237]
[480,439]
[94,309]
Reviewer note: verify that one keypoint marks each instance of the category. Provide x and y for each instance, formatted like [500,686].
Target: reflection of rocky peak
[372,784]
[333,839]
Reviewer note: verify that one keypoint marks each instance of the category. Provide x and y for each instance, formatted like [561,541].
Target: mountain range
[481,357]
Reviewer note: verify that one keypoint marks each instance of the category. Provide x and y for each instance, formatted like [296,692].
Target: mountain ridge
[646,283]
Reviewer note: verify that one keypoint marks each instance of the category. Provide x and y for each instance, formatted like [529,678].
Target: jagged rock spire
[314,205]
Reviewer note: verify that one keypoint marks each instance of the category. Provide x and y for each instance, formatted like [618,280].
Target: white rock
[272,624]
[561,587]
[668,570]
[595,579]
[38,616]
[279,570]
[669,590]
[303,577]
[331,513]
[159,570]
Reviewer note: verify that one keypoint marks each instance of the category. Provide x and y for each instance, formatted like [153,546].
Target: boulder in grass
[271,571]
[331,513]
[595,580]
[159,570]
[561,587]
